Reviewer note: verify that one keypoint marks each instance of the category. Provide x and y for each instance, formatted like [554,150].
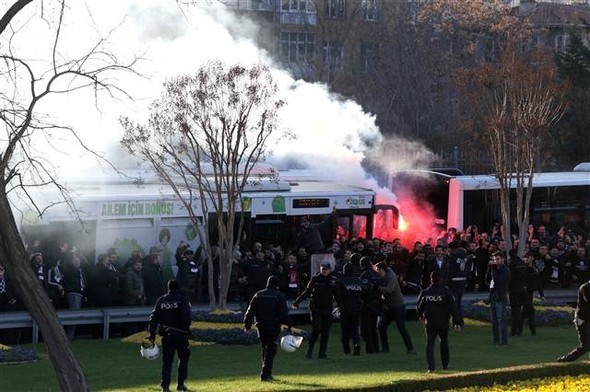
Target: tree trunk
[210,283]
[12,252]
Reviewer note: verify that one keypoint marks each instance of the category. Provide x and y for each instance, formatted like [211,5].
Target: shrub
[217,317]
[17,354]
[546,313]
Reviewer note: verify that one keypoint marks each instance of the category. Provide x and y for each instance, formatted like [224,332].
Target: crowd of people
[462,258]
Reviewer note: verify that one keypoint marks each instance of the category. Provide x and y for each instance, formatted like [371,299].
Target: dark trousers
[528,312]
[268,337]
[398,314]
[517,301]
[321,321]
[499,325]
[584,347]
[170,344]
[369,330]
[458,289]
[350,331]
[431,334]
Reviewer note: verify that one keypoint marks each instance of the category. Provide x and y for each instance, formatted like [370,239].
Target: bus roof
[539,180]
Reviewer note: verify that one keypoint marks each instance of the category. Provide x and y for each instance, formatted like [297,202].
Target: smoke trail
[333,135]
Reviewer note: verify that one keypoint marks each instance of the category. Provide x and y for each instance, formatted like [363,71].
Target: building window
[296,47]
[297,6]
[333,54]
[335,9]
[370,9]
[561,41]
[298,12]
[369,57]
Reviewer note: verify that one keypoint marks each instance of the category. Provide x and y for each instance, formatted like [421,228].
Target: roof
[552,14]
[539,180]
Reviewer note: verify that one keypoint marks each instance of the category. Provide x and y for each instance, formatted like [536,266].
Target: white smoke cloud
[332,133]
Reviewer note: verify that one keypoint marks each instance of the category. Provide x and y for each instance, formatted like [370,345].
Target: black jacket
[349,294]
[105,286]
[500,276]
[171,314]
[153,282]
[269,308]
[321,291]
[583,310]
[74,280]
[436,305]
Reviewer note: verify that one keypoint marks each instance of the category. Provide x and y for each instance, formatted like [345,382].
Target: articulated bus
[130,218]
[559,198]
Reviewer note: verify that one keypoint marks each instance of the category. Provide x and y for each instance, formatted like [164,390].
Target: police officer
[370,311]
[435,305]
[582,322]
[321,291]
[172,318]
[349,295]
[269,308]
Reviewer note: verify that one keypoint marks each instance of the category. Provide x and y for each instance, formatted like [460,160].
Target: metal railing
[134,314]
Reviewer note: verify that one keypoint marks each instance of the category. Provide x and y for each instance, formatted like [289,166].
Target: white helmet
[336,313]
[150,352]
[290,343]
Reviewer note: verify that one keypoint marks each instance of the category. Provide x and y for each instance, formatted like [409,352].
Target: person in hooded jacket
[349,295]
[435,306]
[269,309]
[393,307]
[321,291]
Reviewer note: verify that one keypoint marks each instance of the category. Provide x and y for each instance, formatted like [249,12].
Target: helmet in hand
[336,313]
[150,351]
[290,343]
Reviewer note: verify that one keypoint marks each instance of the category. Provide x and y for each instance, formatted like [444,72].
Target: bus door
[385,221]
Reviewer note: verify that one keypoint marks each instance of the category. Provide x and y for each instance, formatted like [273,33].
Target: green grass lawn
[116,366]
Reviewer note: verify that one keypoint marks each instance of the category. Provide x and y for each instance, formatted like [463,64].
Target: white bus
[559,198]
[130,218]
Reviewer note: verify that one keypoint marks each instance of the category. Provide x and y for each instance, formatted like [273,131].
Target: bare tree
[204,136]
[511,94]
[514,104]
[21,167]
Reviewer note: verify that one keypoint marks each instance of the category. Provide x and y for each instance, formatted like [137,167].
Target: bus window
[359,226]
[342,229]
[270,231]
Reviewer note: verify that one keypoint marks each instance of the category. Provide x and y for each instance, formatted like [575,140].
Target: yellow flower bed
[552,384]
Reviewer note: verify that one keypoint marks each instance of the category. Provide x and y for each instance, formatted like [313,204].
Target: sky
[172,40]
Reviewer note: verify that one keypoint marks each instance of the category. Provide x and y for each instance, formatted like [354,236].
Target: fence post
[456,156]
[106,324]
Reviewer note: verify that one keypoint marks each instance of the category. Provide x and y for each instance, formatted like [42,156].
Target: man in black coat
[321,291]
[171,317]
[269,309]
[498,276]
[153,278]
[582,322]
[434,307]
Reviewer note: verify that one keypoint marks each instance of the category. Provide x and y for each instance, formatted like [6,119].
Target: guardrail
[133,314]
